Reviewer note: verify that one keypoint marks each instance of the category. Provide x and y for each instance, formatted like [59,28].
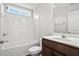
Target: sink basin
[67,38]
[70,39]
[57,37]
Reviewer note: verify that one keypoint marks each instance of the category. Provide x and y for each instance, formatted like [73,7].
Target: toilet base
[37,54]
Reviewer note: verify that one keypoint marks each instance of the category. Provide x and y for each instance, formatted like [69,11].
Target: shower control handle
[4,34]
[2,41]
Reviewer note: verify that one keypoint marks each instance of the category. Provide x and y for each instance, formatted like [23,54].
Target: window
[19,11]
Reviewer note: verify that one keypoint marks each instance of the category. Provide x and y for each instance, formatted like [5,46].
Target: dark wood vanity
[53,48]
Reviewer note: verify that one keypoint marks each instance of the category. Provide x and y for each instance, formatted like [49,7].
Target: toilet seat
[35,49]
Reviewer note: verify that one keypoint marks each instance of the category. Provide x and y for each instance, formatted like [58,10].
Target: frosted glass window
[19,11]
[0,10]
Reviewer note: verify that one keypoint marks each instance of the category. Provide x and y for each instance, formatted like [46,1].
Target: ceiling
[35,5]
[29,5]
[58,5]
[63,5]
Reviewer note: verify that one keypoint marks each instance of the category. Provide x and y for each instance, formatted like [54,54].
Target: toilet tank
[41,42]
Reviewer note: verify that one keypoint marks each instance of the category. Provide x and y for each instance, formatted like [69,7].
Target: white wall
[0,27]
[44,21]
[0,31]
[36,24]
[61,14]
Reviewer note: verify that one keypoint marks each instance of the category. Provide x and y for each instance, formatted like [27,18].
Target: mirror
[66,18]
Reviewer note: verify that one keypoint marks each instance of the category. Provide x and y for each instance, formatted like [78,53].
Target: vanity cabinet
[52,48]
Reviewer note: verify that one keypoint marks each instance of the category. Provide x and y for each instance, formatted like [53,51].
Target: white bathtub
[17,50]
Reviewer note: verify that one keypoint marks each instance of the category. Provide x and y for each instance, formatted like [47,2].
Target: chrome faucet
[3,41]
[63,35]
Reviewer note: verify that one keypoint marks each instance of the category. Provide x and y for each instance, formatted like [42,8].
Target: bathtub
[17,50]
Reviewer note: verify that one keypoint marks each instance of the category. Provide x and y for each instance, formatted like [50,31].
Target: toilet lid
[35,48]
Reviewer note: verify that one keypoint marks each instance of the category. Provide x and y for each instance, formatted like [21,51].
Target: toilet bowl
[35,50]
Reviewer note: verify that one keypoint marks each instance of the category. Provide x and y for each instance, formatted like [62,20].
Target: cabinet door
[54,53]
[46,51]
[66,50]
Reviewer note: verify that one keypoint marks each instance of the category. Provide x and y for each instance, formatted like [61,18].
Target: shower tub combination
[20,49]
[16,30]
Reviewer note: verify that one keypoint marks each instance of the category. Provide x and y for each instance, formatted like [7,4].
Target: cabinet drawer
[46,51]
[49,44]
[54,53]
[67,50]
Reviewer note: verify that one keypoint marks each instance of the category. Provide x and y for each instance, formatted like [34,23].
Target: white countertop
[72,42]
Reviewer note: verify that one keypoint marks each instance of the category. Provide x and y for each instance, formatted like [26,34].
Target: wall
[61,14]
[0,31]
[0,27]
[44,20]
[36,24]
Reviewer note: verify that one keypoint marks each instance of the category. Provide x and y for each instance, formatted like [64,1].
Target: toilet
[35,50]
